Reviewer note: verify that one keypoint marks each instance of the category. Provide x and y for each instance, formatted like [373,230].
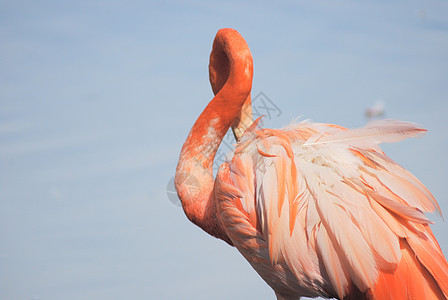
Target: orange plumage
[316,209]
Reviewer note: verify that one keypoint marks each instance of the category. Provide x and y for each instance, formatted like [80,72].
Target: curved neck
[219,72]
[231,69]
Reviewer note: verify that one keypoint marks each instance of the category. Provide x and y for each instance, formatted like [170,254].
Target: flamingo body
[330,219]
[316,209]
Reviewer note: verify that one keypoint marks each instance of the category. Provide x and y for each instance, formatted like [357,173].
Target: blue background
[97,97]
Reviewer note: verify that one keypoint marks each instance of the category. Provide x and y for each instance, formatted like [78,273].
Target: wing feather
[333,208]
[334,267]
[374,133]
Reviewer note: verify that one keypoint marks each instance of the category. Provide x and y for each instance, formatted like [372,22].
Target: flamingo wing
[320,210]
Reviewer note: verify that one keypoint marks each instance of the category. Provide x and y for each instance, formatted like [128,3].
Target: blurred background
[97,98]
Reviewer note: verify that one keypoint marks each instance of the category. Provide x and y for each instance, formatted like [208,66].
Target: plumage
[316,209]
[378,131]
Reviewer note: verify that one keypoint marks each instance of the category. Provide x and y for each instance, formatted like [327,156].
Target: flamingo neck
[231,68]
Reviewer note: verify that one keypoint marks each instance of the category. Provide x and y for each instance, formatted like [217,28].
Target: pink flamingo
[316,209]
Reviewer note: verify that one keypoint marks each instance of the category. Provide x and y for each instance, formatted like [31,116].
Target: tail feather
[428,252]
[410,280]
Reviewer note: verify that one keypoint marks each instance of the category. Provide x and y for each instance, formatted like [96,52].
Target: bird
[315,208]
[377,110]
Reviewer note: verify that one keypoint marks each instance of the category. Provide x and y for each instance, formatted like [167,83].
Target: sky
[97,98]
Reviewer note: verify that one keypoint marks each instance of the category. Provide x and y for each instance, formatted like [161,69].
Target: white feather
[376,132]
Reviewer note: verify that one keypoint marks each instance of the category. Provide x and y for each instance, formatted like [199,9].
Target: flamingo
[316,209]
